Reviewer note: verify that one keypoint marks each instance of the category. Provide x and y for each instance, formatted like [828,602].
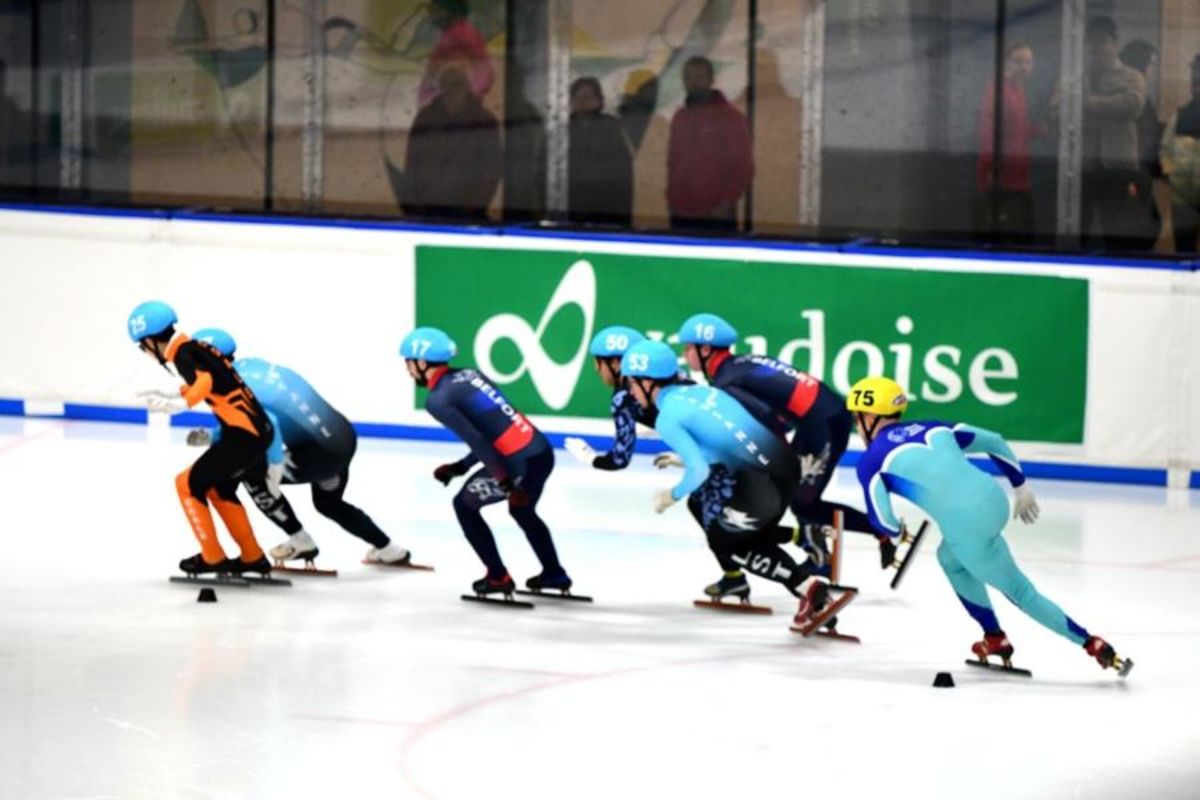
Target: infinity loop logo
[555,382]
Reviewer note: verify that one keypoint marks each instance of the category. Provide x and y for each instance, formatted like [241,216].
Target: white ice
[115,684]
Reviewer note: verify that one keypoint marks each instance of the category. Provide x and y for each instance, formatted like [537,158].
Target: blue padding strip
[1195,483]
[104,413]
[12,408]
[862,246]
[193,419]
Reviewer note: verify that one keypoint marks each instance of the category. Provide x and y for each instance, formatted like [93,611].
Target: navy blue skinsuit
[513,453]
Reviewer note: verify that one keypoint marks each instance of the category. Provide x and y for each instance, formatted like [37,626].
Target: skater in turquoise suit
[926,463]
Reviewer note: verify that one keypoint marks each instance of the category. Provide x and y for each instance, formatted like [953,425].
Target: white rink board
[334,302]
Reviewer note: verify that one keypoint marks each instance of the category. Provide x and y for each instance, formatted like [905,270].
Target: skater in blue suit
[739,474]
[926,463]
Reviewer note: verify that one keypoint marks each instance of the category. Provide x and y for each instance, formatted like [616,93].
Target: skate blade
[841,637]
[555,595]
[496,601]
[738,608]
[213,580]
[815,623]
[266,580]
[406,565]
[974,662]
[310,569]
[906,562]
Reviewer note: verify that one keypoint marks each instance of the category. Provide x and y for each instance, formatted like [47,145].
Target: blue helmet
[707,329]
[219,339]
[614,341]
[431,344]
[150,319]
[649,359]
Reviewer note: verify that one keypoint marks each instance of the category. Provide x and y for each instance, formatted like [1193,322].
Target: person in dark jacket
[600,171]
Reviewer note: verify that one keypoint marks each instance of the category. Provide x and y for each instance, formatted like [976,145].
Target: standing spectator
[1009,206]
[1143,57]
[460,43]
[454,161]
[709,160]
[1181,163]
[1114,95]
[524,151]
[600,170]
[12,126]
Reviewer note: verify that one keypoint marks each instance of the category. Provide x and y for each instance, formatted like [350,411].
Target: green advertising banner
[1007,352]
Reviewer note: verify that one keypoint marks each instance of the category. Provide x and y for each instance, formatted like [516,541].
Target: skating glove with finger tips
[274,478]
[160,403]
[580,449]
[664,460]
[199,437]
[1025,507]
[448,472]
[887,552]
[663,500]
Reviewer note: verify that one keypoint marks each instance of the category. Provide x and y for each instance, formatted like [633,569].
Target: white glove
[664,460]
[162,403]
[1025,505]
[663,500]
[582,451]
[199,437]
[274,478]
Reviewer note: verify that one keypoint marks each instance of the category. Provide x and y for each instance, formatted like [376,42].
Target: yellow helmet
[877,395]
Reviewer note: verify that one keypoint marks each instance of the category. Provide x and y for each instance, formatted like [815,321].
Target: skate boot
[298,546]
[503,585]
[814,541]
[239,567]
[994,644]
[393,555]
[813,600]
[549,581]
[196,565]
[733,584]
[1106,657]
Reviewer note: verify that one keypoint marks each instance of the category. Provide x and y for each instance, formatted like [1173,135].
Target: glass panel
[17,101]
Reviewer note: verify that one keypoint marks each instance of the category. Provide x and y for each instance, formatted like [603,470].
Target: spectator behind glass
[1113,99]
[709,160]
[10,124]
[1142,56]
[1009,207]
[600,173]
[462,44]
[454,160]
[1181,163]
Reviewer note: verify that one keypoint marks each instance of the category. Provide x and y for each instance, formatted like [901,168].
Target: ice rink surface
[383,684]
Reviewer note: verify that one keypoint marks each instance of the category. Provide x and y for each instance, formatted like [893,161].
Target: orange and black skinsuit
[245,435]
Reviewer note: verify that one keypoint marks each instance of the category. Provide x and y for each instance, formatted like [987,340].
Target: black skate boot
[196,565]
[239,567]
[549,581]
[503,585]
[732,584]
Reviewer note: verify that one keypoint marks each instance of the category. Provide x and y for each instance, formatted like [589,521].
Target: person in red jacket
[460,43]
[1009,205]
[709,161]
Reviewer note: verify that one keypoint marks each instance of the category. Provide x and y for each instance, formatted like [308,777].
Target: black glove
[448,472]
[887,552]
[517,498]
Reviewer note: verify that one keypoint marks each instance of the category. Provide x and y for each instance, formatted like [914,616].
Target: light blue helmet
[707,329]
[649,359]
[219,339]
[150,319]
[614,340]
[431,344]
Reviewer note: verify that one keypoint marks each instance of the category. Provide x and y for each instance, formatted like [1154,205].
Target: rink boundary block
[1139,476]
[860,246]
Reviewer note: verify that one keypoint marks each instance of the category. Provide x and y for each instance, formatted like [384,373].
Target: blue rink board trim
[383,430]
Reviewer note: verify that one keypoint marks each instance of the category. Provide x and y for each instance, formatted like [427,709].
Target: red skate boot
[1106,657]
[994,644]
[818,604]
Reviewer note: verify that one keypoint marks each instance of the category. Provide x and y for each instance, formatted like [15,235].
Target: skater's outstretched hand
[664,460]
[162,403]
[1025,507]
[663,500]
[199,437]
[887,552]
[580,449]
[448,472]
